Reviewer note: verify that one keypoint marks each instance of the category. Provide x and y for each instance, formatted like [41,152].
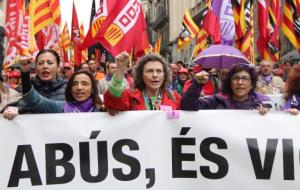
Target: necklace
[152,103]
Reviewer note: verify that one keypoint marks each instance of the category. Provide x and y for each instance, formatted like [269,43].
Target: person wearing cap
[8,97]
[67,71]
[183,76]
[237,92]
[13,78]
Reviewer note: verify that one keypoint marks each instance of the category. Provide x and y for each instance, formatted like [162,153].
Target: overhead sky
[83,8]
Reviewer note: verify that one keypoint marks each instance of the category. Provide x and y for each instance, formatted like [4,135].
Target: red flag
[105,8]
[75,37]
[119,32]
[211,25]
[141,48]
[84,53]
[13,20]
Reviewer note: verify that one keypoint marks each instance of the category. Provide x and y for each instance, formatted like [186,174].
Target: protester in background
[237,92]
[93,68]
[292,95]
[103,83]
[8,96]
[268,83]
[81,95]
[180,65]
[84,67]
[287,67]
[47,81]
[67,71]
[150,77]
[183,76]
[174,82]
[13,78]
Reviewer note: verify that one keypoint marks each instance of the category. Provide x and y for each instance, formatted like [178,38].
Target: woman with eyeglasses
[292,95]
[237,92]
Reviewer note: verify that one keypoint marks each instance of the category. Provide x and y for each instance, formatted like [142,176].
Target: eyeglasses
[242,78]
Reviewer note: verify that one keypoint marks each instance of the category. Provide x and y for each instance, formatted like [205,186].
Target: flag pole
[191,57]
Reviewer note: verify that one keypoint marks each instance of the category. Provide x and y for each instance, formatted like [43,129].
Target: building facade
[165,17]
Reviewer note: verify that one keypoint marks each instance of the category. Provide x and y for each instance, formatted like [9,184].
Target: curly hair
[94,95]
[226,87]
[138,70]
[293,83]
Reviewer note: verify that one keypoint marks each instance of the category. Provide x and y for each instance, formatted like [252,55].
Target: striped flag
[46,13]
[269,23]
[243,16]
[157,45]
[291,22]
[66,39]
[203,39]
[275,23]
[188,31]
[84,53]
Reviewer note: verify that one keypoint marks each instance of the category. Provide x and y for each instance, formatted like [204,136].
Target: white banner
[137,150]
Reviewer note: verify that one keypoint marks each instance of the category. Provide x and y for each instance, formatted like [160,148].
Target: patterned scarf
[267,79]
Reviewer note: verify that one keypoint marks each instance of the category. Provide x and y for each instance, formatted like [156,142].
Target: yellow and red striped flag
[84,53]
[203,38]
[290,25]
[44,13]
[66,38]
[242,14]
[188,30]
[157,45]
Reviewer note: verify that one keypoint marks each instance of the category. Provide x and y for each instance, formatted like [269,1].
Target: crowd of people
[46,85]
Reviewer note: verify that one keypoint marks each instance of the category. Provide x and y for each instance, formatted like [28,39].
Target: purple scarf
[77,107]
[267,79]
[292,103]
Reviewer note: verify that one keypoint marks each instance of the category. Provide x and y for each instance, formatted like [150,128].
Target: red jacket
[134,100]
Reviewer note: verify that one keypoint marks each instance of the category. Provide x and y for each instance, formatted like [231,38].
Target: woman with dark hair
[292,95]
[47,81]
[84,67]
[150,74]
[237,92]
[81,95]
